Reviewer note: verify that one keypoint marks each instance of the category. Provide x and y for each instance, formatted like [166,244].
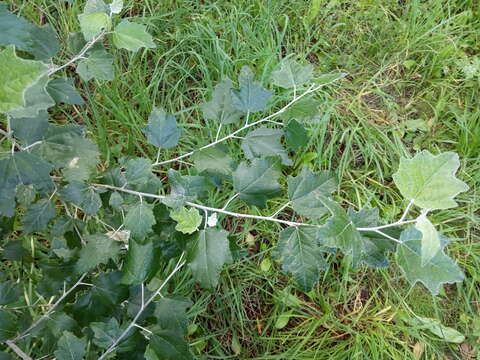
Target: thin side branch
[207,208]
[17,350]
[47,314]
[310,90]
[144,305]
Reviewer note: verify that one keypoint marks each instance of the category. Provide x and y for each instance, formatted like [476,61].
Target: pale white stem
[397,223]
[77,57]
[281,209]
[32,145]
[17,350]
[218,132]
[144,305]
[208,208]
[142,328]
[230,200]
[387,236]
[47,314]
[310,90]
[407,209]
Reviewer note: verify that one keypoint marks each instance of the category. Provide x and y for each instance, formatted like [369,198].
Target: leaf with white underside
[93,24]
[301,255]
[70,347]
[139,219]
[99,250]
[431,244]
[132,36]
[95,6]
[188,220]
[303,188]
[251,97]
[265,141]
[162,130]
[292,74]
[429,180]
[98,65]
[258,181]
[116,6]
[220,108]
[440,270]
[21,75]
[207,256]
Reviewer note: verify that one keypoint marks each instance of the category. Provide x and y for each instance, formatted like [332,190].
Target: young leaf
[93,24]
[140,264]
[209,253]
[98,65]
[30,130]
[430,180]
[220,108]
[132,36]
[431,244]
[116,6]
[213,160]
[82,195]
[265,141]
[166,345]
[162,130]
[140,219]
[300,255]
[296,135]
[302,191]
[36,100]
[258,182]
[292,74]
[41,42]
[171,312]
[9,292]
[251,97]
[188,220]
[440,270]
[21,75]
[70,347]
[38,216]
[99,250]
[95,6]
[63,91]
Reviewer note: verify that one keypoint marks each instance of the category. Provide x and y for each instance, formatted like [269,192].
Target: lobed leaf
[98,250]
[98,65]
[162,130]
[188,220]
[221,108]
[132,36]
[265,141]
[251,97]
[291,74]
[70,347]
[139,219]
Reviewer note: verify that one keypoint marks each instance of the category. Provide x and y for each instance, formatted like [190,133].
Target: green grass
[406,90]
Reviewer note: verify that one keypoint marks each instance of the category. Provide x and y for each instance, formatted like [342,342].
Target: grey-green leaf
[213,160]
[302,191]
[30,130]
[258,182]
[162,130]
[171,312]
[292,74]
[63,91]
[99,250]
[38,216]
[139,219]
[302,110]
[132,36]
[70,347]
[301,255]
[82,195]
[93,24]
[208,254]
[251,97]
[220,108]
[98,65]
[263,142]
[430,180]
[167,345]
[140,262]
[36,99]
[440,270]
[296,135]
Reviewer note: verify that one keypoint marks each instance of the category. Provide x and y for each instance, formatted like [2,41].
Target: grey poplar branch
[269,118]
[144,305]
